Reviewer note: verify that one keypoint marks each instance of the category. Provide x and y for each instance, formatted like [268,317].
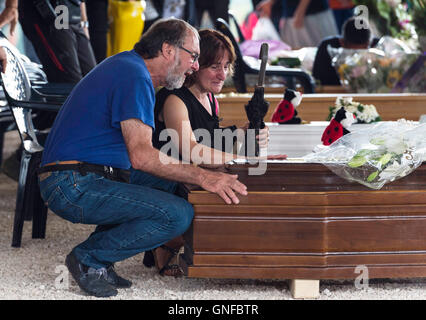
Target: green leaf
[384,9]
[378,141]
[385,158]
[363,152]
[372,176]
[357,161]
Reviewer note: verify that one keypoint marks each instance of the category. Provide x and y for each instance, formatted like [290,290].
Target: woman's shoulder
[182,93]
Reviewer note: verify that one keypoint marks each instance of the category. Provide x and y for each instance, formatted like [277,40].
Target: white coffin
[297,140]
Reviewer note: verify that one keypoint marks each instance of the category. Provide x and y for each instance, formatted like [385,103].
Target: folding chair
[38,80]
[22,99]
[7,123]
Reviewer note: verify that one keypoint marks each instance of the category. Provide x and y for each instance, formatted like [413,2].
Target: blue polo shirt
[87,128]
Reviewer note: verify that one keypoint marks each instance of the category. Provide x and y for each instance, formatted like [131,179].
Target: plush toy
[285,112]
[338,126]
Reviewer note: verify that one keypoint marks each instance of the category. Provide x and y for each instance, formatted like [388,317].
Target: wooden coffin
[315,107]
[301,221]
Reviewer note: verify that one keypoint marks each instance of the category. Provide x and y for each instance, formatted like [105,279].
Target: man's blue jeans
[131,218]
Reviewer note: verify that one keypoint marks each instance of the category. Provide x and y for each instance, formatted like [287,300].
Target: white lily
[395,145]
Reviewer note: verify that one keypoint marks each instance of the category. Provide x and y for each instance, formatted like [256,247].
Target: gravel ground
[32,271]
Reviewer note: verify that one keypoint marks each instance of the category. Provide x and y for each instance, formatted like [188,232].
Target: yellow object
[393,77]
[126,22]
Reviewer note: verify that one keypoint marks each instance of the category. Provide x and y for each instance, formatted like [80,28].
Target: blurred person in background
[352,38]
[65,53]
[342,11]
[269,8]
[303,23]
[181,9]
[216,9]
[97,15]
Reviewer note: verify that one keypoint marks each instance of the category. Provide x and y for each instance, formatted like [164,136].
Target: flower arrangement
[390,17]
[373,70]
[419,21]
[376,155]
[419,16]
[364,113]
[389,159]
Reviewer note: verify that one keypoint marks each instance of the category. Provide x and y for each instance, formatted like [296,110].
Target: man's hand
[9,15]
[143,156]
[86,32]
[3,59]
[265,7]
[223,184]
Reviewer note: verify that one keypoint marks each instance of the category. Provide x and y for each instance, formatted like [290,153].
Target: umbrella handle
[263,55]
[249,152]
[256,144]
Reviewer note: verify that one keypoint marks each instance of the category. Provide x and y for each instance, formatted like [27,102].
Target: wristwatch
[84,24]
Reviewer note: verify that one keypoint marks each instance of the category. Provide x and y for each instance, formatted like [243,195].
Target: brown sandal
[168,269]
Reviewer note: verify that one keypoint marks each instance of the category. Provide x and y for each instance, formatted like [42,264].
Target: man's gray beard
[174,80]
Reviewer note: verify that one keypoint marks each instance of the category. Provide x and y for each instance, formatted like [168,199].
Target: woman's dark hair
[355,34]
[172,31]
[213,45]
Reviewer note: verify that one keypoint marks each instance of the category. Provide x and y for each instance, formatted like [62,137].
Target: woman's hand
[265,7]
[277,157]
[263,137]
[241,132]
[245,126]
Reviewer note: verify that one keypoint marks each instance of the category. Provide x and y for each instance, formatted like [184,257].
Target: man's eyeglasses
[194,55]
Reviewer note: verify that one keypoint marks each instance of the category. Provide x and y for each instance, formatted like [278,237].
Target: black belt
[83,168]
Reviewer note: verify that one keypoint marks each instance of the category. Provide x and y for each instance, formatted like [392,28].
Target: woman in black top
[192,111]
[198,116]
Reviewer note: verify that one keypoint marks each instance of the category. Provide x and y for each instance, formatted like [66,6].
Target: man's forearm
[163,166]
[303,5]
[83,11]
[205,155]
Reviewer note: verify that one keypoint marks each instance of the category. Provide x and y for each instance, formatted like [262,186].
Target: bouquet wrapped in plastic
[374,70]
[376,155]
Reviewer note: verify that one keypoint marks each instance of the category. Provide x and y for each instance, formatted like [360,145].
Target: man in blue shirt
[103,129]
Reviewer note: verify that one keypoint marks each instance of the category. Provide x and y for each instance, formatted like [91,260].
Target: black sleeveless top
[198,117]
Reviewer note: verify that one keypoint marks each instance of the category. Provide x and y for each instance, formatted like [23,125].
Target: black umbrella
[257,107]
